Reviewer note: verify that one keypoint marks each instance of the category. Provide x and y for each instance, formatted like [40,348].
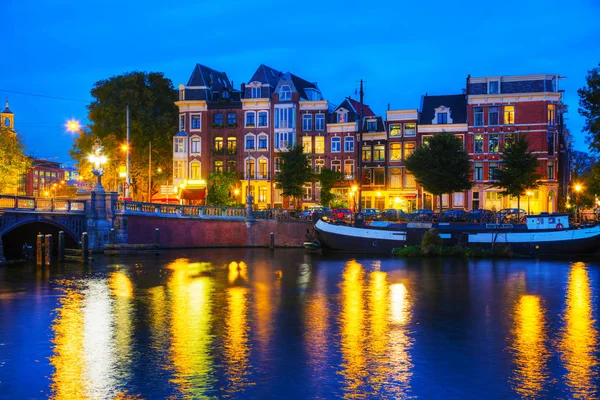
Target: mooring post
[84,248]
[111,237]
[156,236]
[61,246]
[48,250]
[39,250]
[272,241]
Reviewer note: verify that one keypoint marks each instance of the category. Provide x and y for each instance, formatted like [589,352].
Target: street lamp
[98,159]
[578,188]
[73,126]
[529,193]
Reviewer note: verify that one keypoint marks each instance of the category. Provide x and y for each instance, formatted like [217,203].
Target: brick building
[501,107]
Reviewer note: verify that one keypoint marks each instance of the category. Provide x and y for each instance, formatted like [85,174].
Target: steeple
[7,118]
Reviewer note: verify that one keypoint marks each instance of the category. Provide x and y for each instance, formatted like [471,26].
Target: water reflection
[579,337]
[531,355]
[400,340]
[237,346]
[68,379]
[378,321]
[191,318]
[122,291]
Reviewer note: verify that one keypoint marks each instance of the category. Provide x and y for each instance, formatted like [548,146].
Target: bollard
[84,248]
[156,236]
[48,250]
[111,237]
[61,246]
[39,250]
[272,241]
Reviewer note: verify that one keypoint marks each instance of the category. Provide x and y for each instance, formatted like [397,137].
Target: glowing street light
[98,159]
[73,126]
[578,188]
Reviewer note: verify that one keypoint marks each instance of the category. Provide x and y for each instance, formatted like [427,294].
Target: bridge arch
[24,231]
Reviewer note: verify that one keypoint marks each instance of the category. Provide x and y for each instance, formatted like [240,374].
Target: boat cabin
[548,221]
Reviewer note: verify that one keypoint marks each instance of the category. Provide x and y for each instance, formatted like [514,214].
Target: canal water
[238,323]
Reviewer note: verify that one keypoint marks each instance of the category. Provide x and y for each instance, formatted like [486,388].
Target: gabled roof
[301,85]
[379,120]
[356,106]
[457,103]
[204,76]
[266,74]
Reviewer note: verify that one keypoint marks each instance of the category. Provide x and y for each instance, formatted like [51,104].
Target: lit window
[262,194]
[319,144]
[366,153]
[349,169]
[231,146]
[551,115]
[409,148]
[179,145]
[249,173]
[307,144]
[410,130]
[195,170]
[478,144]
[218,148]
[492,143]
[336,165]
[395,151]
[379,152]
[262,168]
[395,130]
[231,166]
[218,166]
[319,165]
[307,192]
[336,144]
[509,115]
[277,164]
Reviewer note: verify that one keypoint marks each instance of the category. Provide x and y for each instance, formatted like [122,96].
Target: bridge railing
[208,212]
[20,203]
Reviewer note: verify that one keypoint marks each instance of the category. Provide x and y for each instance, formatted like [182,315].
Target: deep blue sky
[401,48]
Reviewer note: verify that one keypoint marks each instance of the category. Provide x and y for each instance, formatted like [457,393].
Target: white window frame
[338,141]
[193,140]
[258,162]
[288,92]
[307,140]
[257,119]
[179,144]
[413,129]
[320,120]
[337,163]
[266,137]
[481,113]
[348,143]
[181,122]
[348,162]
[320,163]
[246,168]
[246,119]
[199,122]
[307,122]
[179,166]
[490,85]
[255,92]
[192,164]
[246,136]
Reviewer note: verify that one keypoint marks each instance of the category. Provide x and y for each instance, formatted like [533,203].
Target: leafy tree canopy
[581,163]
[327,178]
[589,107]
[220,188]
[153,114]
[13,161]
[295,172]
[441,166]
[519,169]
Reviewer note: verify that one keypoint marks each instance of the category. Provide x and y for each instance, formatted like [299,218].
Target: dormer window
[443,115]
[255,92]
[285,93]
[442,118]
[372,126]
[342,116]
[493,87]
[225,94]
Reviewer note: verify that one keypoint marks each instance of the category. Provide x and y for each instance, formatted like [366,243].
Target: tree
[441,166]
[13,161]
[519,170]
[151,98]
[327,178]
[295,172]
[581,164]
[220,186]
[589,107]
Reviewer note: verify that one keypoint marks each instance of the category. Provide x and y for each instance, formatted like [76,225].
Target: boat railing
[499,226]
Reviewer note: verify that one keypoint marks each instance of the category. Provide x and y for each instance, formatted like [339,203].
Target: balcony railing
[180,211]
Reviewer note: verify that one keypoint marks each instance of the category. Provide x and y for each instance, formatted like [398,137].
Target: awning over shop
[193,194]
[163,198]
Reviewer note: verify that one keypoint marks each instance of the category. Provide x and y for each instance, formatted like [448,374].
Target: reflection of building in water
[400,340]
[579,337]
[158,310]
[263,307]
[378,323]
[352,317]
[238,273]
[191,338]
[68,379]
[237,346]
[529,348]
[122,291]
[316,315]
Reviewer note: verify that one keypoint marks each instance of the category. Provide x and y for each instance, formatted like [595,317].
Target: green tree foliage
[13,161]
[220,188]
[153,114]
[519,170]
[442,166]
[581,164]
[327,178]
[589,107]
[295,172]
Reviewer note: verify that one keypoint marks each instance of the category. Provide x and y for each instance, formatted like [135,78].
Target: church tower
[7,118]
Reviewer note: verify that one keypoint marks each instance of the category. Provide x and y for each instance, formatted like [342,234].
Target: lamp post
[578,189]
[98,159]
[529,193]
[249,198]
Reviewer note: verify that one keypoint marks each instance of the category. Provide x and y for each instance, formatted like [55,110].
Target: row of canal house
[244,130]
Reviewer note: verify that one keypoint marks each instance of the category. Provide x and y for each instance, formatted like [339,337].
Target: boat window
[551,220]
[540,221]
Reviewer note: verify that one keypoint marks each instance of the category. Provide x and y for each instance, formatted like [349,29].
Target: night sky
[402,49]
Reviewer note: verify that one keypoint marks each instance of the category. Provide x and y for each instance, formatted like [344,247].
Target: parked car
[482,216]
[454,216]
[371,214]
[422,215]
[341,213]
[509,215]
[393,214]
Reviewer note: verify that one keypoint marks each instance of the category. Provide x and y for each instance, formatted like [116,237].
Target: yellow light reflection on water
[68,379]
[579,337]
[238,273]
[237,346]
[352,318]
[379,328]
[400,339]
[316,314]
[531,355]
[191,321]
[122,290]
[263,306]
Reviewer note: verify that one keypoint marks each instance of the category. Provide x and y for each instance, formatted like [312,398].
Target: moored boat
[545,234]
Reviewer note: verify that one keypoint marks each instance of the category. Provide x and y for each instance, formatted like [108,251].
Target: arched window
[250,168]
[195,170]
[218,147]
[262,142]
[263,169]
[195,145]
[285,93]
[250,119]
[250,142]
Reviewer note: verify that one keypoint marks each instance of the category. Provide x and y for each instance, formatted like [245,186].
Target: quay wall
[176,232]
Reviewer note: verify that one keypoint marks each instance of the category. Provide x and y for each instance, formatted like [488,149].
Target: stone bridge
[97,212]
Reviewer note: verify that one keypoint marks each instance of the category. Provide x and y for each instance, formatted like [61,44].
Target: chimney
[468,82]
[388,106]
